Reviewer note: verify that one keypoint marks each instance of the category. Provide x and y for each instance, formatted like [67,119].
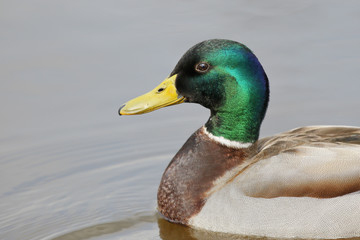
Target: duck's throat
[242,127]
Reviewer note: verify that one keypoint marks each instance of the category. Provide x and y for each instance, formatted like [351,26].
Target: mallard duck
[301,183]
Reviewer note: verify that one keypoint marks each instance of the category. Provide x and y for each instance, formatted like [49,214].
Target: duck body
[303,183]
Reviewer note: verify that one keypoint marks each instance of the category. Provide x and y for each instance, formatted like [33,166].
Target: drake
[302,183]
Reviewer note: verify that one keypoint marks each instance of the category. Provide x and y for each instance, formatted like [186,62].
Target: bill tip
[120,109]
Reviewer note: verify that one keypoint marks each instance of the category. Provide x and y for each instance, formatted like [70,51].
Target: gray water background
[71,168]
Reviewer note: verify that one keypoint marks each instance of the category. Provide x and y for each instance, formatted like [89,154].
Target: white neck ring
[226,142]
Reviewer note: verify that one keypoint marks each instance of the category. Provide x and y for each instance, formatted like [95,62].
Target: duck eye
[202,67]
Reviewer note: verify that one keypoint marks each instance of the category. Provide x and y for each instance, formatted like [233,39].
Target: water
[71,168]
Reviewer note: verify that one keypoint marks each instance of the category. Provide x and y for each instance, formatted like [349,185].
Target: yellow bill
[162,96]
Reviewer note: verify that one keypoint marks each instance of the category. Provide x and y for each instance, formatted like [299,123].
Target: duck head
[222,75]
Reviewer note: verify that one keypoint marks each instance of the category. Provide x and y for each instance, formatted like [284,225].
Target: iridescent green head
[226,77]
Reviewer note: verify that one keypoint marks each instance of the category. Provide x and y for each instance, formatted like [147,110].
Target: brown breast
[191,174]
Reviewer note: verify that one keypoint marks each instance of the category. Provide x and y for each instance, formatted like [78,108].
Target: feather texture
[302,183]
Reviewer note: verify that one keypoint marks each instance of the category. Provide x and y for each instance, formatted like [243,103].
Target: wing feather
[320,162]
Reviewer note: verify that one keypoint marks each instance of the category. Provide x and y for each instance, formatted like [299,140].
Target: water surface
[71,168]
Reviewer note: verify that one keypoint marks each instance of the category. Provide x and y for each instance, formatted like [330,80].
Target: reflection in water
[171,231]
[167,230]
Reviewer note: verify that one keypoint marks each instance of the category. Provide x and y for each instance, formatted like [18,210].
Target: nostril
[160,90]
